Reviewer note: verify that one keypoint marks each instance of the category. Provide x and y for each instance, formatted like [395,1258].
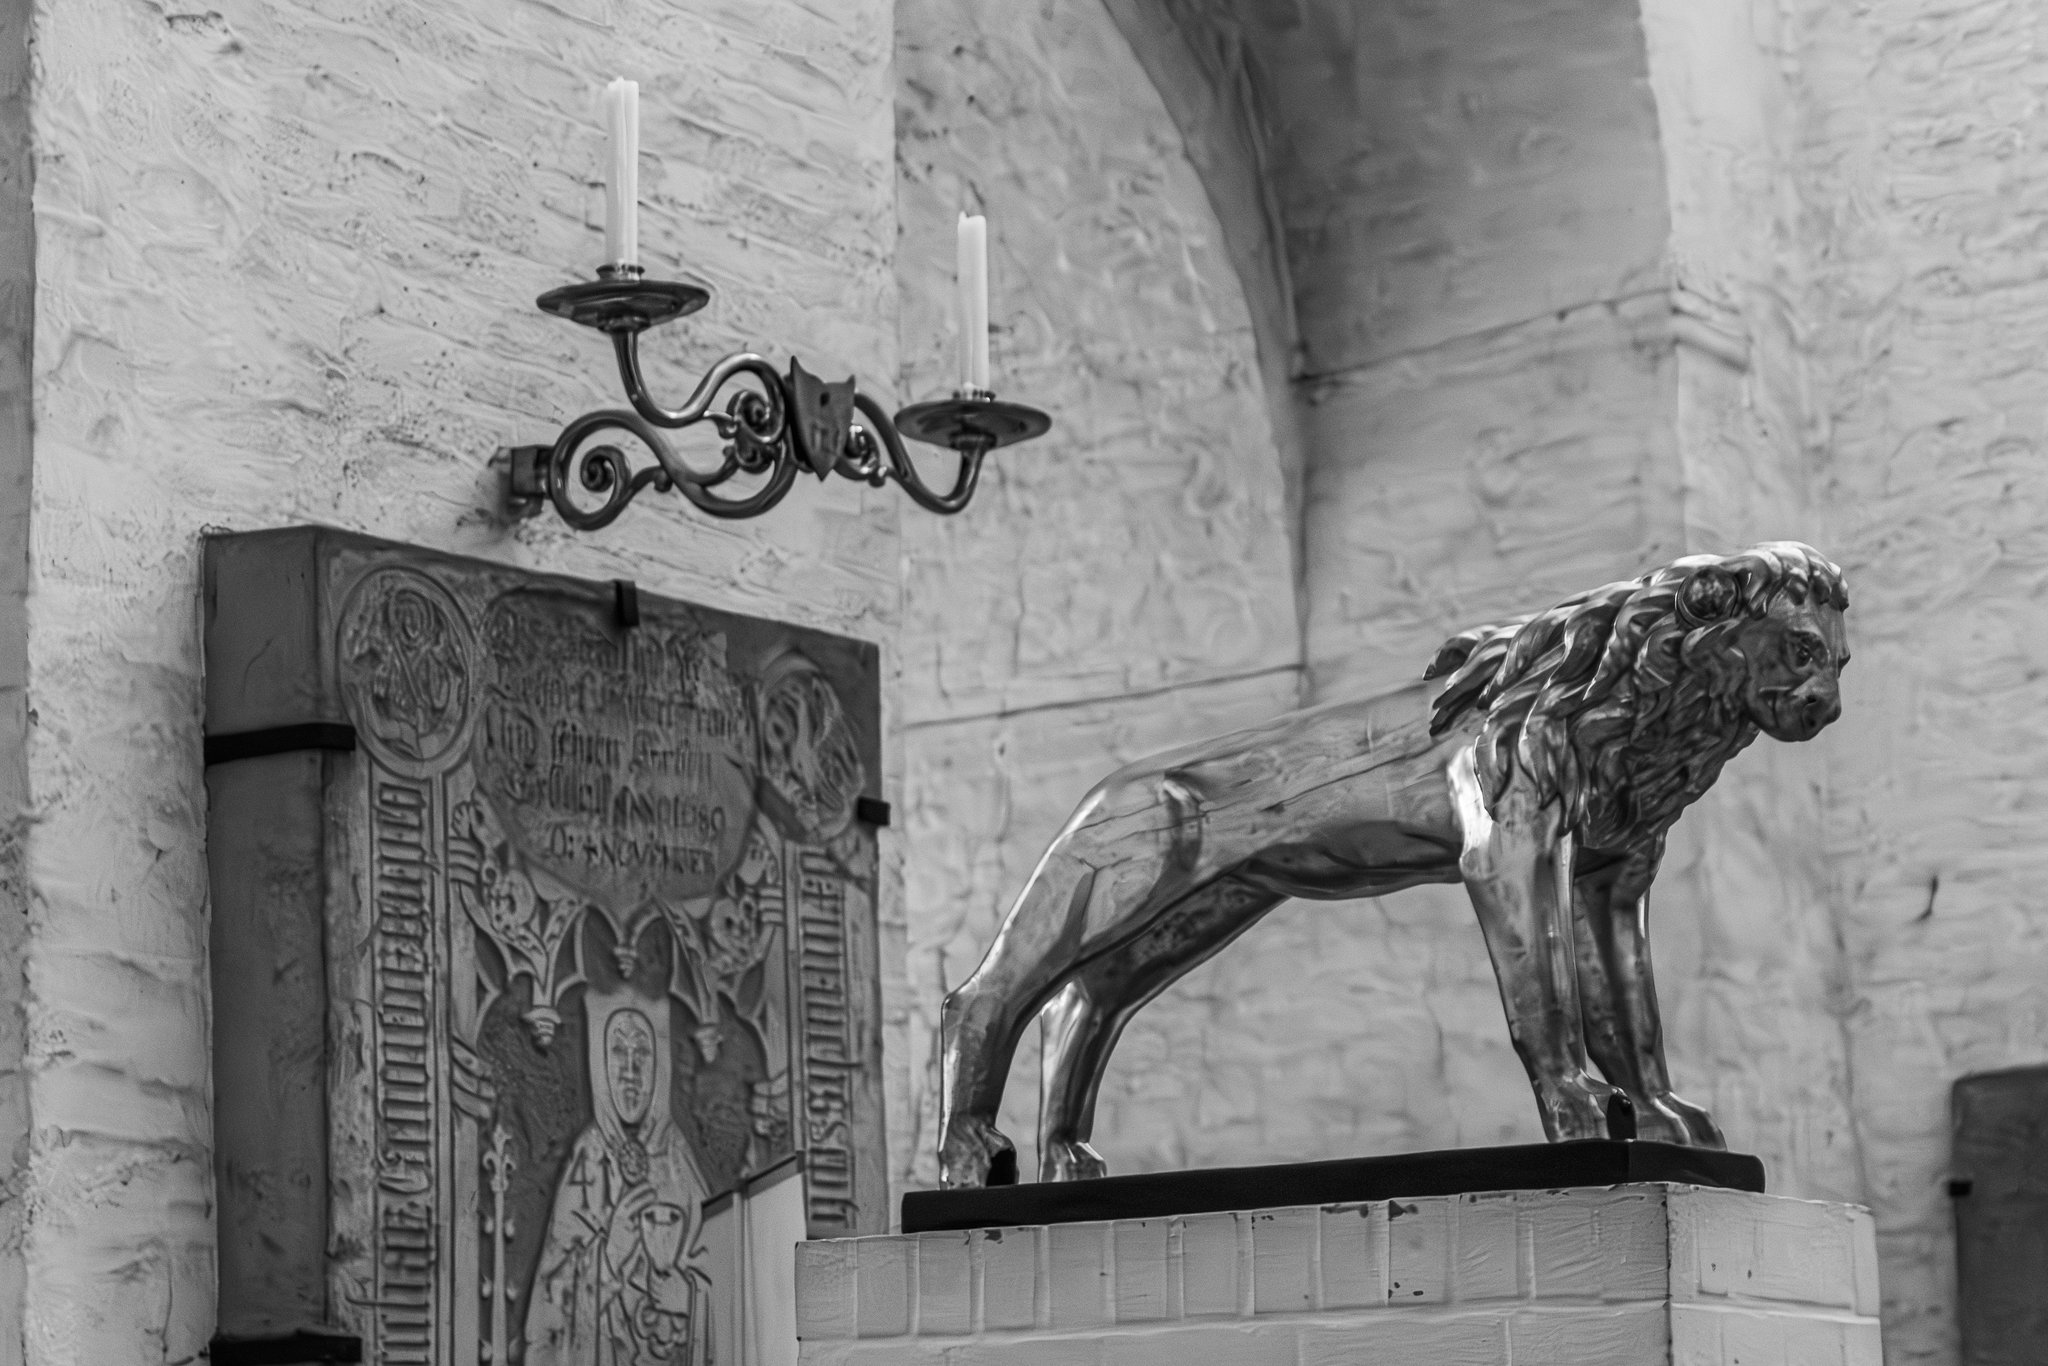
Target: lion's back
[1280,760]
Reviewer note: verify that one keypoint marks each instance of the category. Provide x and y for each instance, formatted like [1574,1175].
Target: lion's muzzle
[1808,709]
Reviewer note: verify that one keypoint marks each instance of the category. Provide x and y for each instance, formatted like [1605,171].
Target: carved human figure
[1539,761]
[621,1279]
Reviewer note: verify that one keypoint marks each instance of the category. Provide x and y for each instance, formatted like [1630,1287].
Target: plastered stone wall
[1920,160]
[1125,582]
[17,289]
[1194,53]
[1854,193]
[1754,1007]
[285,261]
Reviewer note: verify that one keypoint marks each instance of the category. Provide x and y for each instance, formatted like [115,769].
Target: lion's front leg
[1618,995]
[1514,864]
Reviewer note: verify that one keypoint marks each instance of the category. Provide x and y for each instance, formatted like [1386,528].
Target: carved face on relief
[1795,653]
[629,1063]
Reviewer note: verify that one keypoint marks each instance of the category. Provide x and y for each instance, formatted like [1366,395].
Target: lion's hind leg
[1096,885]
[1071,1036]
[1081,1025]
[981,1020]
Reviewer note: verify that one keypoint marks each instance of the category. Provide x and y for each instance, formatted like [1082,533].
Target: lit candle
[973,282]
[622,173]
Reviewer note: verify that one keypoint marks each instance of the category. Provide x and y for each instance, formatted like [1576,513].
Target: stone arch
[1450,221]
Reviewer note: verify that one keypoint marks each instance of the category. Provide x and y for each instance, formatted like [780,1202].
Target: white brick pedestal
[1623,1276]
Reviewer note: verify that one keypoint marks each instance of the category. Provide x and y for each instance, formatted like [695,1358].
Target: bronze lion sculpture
[1539,761]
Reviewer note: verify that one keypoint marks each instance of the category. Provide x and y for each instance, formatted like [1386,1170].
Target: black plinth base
[1529,1166]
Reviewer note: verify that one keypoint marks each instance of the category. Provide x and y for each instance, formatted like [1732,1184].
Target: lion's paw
[975,1153]
[1070,1160]
[1680,1121]
[1574,1108]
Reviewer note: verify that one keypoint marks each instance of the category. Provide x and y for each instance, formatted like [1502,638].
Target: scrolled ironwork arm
[754,504]
[599,469]
[626,347]
[904,472]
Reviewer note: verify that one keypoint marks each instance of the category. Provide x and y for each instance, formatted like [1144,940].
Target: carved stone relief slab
[594,923]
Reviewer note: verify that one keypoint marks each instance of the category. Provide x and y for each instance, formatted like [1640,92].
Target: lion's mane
[1624,702]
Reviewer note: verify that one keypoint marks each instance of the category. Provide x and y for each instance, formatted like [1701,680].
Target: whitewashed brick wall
[285,262]
[1630,1276]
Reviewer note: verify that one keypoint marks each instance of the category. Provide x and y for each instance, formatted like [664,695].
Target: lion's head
[1624,702]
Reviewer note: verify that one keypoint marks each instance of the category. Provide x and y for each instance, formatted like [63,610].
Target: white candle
[622,173]
[973,284]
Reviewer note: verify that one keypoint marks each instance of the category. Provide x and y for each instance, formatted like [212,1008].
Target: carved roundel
[407,668]
[1709,594]
[811,773]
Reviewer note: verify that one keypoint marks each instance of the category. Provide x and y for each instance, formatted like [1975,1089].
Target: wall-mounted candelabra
[784,426]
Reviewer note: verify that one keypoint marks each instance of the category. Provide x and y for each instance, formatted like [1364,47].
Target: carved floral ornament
[723,936]
[409,651]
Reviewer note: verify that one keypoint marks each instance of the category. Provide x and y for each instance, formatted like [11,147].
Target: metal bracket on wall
[339,736]
[295,1349]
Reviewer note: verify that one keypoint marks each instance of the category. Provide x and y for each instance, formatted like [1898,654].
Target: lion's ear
[1709,594]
